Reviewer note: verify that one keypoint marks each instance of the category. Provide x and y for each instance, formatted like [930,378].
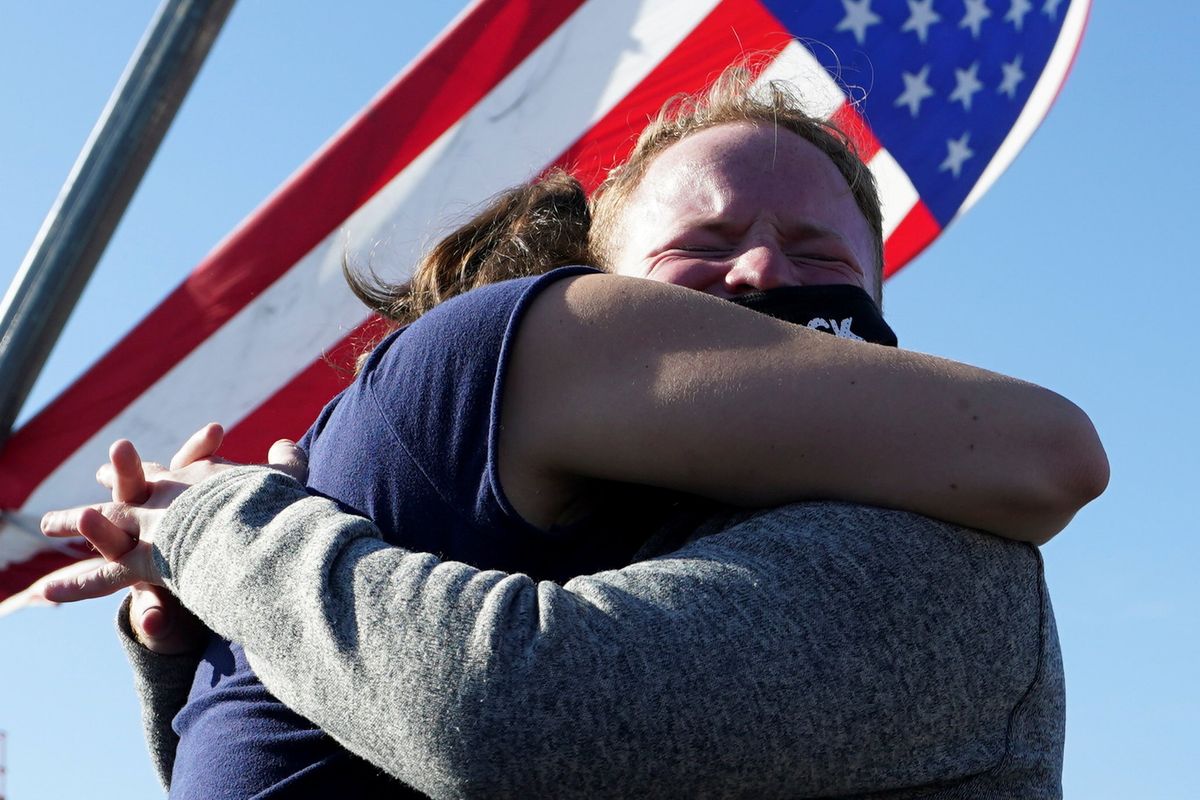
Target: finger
[35,594]
[99,582]
[109,540]
[286,456]
[201,444]
[68,522]
[106,476]
[127,479]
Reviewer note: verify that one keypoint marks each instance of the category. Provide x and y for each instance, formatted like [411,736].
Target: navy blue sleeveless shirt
[411,444]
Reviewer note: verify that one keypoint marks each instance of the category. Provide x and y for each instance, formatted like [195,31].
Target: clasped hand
[123,531]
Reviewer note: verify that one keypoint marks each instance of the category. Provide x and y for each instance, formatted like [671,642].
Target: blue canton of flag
[943,81]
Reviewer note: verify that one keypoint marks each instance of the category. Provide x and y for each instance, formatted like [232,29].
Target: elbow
[1075,472]
[1081,465]
[1092,472]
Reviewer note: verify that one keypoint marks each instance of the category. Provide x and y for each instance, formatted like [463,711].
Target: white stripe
[1038,105]
[575,77]
[820,93]
[23,539]
[897,194]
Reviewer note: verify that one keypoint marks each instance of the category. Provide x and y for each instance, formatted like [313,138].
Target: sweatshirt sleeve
[772,657]
[162,683]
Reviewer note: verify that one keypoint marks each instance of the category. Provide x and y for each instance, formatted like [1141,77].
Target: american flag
[939,94]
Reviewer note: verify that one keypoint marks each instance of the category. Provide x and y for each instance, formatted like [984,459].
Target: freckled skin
[740,208]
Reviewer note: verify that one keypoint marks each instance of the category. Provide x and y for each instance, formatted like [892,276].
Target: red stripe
[853,125]
[291,410]
[288,412]
[425,99]
[912,235]
[23,574]
[733,28]
[1062,81]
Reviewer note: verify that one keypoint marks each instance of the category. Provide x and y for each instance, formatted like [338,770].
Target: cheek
[864,251]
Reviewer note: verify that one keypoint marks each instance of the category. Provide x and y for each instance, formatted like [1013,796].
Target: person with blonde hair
[602,614]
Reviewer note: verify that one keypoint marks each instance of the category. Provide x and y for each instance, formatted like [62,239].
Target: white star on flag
[1013,75]
[916,89]
[976,12]
[967,84]
[859,17]
[1017,10]
[920,16]
[956,153]
[1050,9]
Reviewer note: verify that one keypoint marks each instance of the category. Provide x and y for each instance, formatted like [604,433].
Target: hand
[123,532]
[156,617]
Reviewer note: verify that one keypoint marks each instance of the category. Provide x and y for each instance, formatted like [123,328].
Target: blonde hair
[732,99]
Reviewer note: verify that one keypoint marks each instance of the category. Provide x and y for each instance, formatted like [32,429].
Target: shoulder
[495,301]
[471,328]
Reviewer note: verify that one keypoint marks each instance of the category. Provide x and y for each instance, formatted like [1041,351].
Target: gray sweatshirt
[814,650]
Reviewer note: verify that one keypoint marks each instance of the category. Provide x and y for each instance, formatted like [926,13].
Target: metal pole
[92,201]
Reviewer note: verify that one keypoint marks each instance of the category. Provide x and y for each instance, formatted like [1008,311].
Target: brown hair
[731,99]
[526,230]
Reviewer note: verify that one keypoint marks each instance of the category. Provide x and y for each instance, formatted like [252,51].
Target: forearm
[692,674]
[162,683]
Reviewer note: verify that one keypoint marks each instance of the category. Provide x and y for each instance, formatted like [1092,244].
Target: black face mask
[845,311]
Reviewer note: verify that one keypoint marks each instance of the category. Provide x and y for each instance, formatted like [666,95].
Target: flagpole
[97,191]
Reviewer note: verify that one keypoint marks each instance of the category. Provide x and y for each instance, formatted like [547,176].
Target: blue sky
[1075,271]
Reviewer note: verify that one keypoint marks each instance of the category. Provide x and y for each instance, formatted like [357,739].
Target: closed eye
[814,257]
[699,249]
[819,258]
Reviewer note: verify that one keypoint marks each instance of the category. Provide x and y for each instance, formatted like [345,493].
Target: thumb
[162,624]
[201,444]
[286,456]
[152,612]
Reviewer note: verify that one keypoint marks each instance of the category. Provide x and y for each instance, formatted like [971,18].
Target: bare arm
[630,380]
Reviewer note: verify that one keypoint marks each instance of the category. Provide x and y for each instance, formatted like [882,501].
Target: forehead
[739,167]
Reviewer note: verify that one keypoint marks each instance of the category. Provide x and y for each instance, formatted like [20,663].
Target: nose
[759,268]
